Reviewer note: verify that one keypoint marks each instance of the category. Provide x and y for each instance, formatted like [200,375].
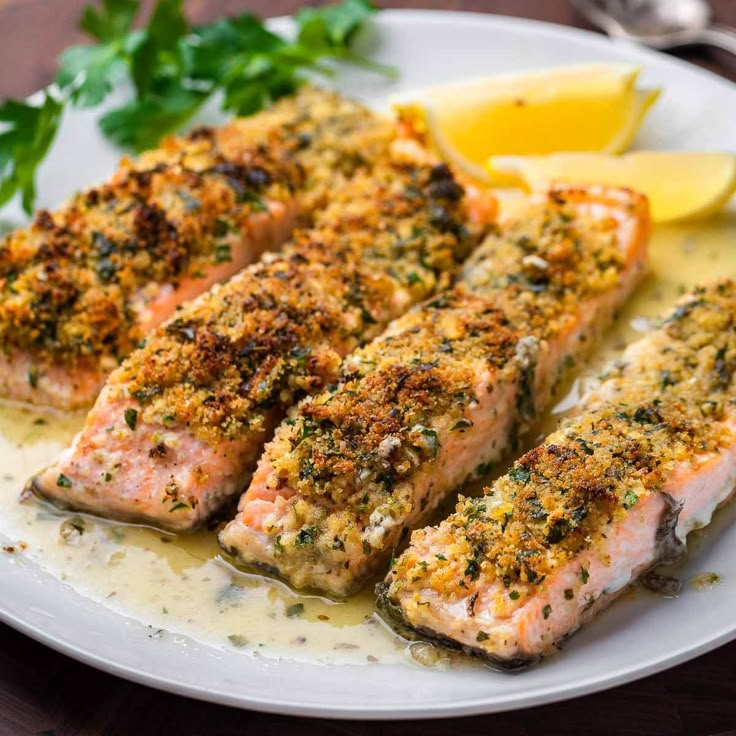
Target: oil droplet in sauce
[179,584]
[706,581]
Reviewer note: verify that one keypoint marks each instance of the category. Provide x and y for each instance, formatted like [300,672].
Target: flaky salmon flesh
[178,428]
[441,394]
[616,490]
[82,286]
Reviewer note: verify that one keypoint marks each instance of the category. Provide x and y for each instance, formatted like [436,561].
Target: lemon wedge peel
[643,100]
[529,113]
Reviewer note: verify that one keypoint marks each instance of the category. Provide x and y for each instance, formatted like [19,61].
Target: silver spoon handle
[721,36]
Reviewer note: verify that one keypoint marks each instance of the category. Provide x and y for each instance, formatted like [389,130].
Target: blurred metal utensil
[661,24]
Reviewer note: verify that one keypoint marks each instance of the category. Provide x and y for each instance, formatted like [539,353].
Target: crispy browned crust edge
[391,614]
[669,549]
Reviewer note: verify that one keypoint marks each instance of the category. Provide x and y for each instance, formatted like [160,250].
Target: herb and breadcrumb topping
[547,261]
[178,427]
[351,456]
[72,285]
[352,445]
[277,331]
[561,499]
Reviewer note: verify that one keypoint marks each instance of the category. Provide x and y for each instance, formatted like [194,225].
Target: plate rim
[593,37]
[475,706]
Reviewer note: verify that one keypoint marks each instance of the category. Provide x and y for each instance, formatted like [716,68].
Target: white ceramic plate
[638,637]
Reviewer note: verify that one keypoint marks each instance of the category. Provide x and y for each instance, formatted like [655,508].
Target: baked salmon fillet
[80,287]
[441,394]
[612,493]
[178,428]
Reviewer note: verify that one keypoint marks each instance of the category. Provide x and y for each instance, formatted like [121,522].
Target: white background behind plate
[696,111]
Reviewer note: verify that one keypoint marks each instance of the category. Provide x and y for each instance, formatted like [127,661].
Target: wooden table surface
[42,692]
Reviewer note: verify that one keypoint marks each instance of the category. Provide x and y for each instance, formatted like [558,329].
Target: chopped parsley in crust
[352,453]
[277,330]
[351,446]
[70,284]
[559,499]
[545,263]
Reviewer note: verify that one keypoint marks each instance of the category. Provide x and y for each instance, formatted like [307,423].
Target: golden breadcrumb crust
[390,237]
[352,451]
[559,499]
[70,283]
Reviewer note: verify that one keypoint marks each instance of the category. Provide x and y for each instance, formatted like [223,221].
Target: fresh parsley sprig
[173,68]
[27,133]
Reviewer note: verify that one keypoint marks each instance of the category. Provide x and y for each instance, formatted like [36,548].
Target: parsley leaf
[328,31]
[520,473]
[253,65]
[26,132]
[140,124]
[156,59]
[110,22]
[216,51]
[295,610]
[90,72]
[131,418]
[630,499]
[157,66]
[333,25]
[255,82]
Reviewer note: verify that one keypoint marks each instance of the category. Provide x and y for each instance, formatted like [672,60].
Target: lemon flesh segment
[581,108]
[679,185]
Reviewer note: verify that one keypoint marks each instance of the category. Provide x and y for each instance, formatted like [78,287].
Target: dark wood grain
[42,692]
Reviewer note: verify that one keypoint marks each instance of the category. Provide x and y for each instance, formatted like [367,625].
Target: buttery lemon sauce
[177,584]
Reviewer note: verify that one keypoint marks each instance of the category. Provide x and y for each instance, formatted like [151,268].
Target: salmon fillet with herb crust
[616,490]
[441,394]
[178,428]
[80,287]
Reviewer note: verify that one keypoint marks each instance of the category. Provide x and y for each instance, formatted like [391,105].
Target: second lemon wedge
[680,185]
[595,107]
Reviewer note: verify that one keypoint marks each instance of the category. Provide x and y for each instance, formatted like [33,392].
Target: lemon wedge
[576,108]
[680,185]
